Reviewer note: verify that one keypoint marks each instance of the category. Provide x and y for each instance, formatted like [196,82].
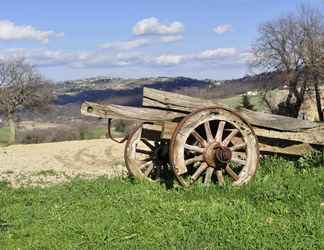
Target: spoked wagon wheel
[214,145]
[144,158]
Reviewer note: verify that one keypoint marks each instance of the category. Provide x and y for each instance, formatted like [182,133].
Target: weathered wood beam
[312,136]
[181,103]
[293,150]
[128,113]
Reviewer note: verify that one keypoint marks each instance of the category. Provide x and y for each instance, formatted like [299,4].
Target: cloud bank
[10,31]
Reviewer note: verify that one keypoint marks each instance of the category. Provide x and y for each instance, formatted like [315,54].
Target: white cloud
[246,57]
[223,28]
[152,26]
[169,59]
[125,45]
[106,58]
[171,39]
[10,31]
[217,53]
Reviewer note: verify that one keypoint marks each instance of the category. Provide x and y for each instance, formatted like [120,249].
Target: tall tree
[21,86]
[278,48]
[293,45]
[312,25]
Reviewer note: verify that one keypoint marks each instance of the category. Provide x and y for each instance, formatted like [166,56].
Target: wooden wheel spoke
[199,138]
[194,148]
[143,151]
[239,155]
[145,164]
[194,159]
[199,171]
[157,144]
[209,173]
[239,161]
[209,134]
[147,143]
[149,169]
[147,159]
[220,177]
[220,130]
[231,173]
[238,147]
[228,139]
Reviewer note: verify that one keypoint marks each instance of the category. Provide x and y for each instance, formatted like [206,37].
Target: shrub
[314,159]
[48,135]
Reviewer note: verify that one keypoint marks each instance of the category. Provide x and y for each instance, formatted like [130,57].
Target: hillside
[129,91]
[70,94]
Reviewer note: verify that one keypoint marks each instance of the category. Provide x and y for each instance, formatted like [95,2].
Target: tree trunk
[292,105]
[318,100]
[12,129]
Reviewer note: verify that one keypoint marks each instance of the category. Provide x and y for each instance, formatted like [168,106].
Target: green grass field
[280,209]
[236,101]
[86,134]
[93,133]
[4,135]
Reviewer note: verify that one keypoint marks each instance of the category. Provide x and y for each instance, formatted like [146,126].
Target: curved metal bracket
[109,134]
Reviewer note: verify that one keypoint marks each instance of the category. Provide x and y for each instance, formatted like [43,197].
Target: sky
[75,39]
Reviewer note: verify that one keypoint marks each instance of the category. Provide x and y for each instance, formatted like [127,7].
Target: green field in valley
[281,209]
[236,101]
[4,135]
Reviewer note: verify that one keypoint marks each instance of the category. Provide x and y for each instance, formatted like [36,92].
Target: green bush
[314,159]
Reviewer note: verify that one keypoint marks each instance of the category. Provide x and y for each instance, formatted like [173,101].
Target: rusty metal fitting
[223,154]
[217,155]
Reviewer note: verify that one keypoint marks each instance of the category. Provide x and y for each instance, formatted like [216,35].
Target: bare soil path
[50,163]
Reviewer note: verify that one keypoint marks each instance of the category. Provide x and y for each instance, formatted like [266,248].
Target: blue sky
[74,39]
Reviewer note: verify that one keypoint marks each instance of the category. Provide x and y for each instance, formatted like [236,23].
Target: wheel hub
[161,153]
[217,155]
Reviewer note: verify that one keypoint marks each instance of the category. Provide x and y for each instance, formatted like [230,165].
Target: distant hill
[129,91]
[70,94]
[229,88]
[121,91]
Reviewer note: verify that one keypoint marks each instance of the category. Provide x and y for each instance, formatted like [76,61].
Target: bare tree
[293,45]
[21,86]
[278,48]
[312,24]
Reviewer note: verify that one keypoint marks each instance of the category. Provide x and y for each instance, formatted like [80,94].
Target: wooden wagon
[203,140]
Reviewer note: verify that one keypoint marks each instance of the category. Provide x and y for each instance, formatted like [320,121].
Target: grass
[4,135]
[236,101]
[86,134]
[49,172]
[280,209]
[99,132]
[93,133]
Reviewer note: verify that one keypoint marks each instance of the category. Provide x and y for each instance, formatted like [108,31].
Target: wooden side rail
[172,101]
[128,113]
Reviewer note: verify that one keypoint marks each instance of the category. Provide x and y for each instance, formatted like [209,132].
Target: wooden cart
[203,140]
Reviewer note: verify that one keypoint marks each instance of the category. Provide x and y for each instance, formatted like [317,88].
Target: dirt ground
[51,163]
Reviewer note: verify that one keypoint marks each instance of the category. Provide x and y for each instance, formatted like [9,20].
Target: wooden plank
[181,103]
[128,113]
[312,136]
[296,150]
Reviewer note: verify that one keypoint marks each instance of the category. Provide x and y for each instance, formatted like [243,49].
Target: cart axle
[217,155]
